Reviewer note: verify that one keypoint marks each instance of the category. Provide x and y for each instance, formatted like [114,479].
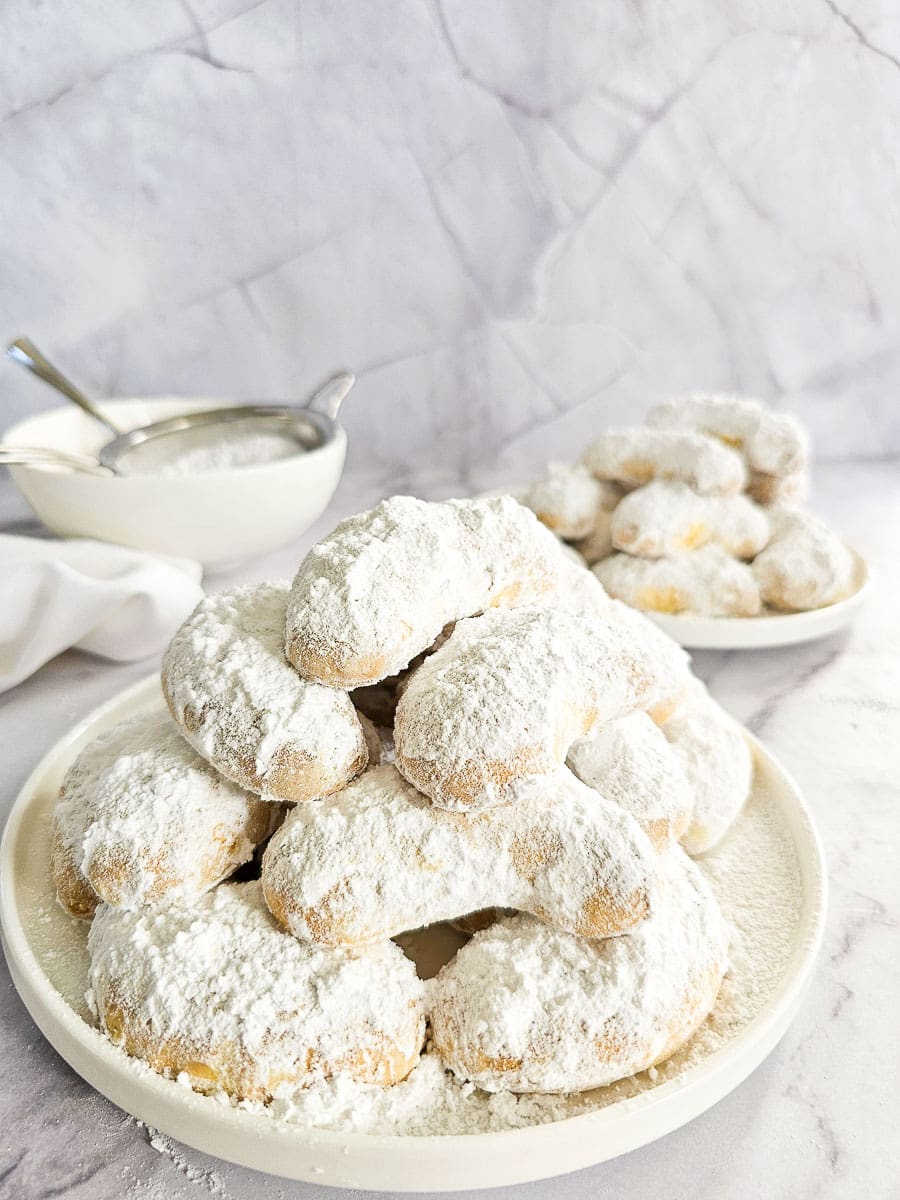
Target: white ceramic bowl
[218,517]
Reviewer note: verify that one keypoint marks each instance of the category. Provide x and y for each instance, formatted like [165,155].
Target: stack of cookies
[699,511]
[443,718]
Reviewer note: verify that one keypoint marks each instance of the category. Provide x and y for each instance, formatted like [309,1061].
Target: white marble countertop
[818,1119]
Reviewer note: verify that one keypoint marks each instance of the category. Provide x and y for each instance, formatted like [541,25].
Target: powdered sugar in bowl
[228,497]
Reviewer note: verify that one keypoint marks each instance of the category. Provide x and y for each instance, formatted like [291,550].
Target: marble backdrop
[516,220]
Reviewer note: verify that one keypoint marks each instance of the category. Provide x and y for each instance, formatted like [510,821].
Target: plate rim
[706,1083]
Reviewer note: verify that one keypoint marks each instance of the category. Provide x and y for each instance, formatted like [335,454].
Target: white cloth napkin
[109,600]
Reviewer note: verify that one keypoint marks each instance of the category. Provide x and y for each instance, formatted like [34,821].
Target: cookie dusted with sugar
[499,705]
[566,498]
[666,518]
[379,589]
[527,1008]
[772,442]
[774,489]
[707,582]
[244,708]
[218,992]
[142,818]
[716,760]
[378,858]
[640,454]
[630,763]
[805,565]
[598,542]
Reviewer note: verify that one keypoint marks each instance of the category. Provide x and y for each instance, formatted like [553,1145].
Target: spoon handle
[43,456]
[27,354]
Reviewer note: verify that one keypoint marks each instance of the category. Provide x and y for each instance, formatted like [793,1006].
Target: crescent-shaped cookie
[805,565]
[772,442]
[380,588]
[141,817]
[566,498]
[715,758]
[629,762]
[665,518]
[598,542]
[377,859]
[526,1008]
[244,708]
[499,704]
[217,993]
[707,582]
[638,455]
[775,489]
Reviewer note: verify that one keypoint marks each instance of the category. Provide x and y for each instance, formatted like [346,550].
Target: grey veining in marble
[507,216]
[817,1121]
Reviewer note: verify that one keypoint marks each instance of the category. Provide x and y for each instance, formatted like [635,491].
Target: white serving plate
[45,951]
[771,629]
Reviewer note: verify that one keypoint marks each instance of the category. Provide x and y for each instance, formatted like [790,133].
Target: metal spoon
[25,352]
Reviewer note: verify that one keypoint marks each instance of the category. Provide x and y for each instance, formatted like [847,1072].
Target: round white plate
[47,958]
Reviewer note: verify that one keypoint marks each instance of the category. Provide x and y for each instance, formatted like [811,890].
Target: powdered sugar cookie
[772,442]
[716,760]
[377,859]
[379,589]
[245,709]
[527,1008]
[629,762]
[218,992]
[774,489]
[141,818]
[598,542]
[707,582]
[499,705]
[566,499]
[805,565]
[637,455]
[665,518]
